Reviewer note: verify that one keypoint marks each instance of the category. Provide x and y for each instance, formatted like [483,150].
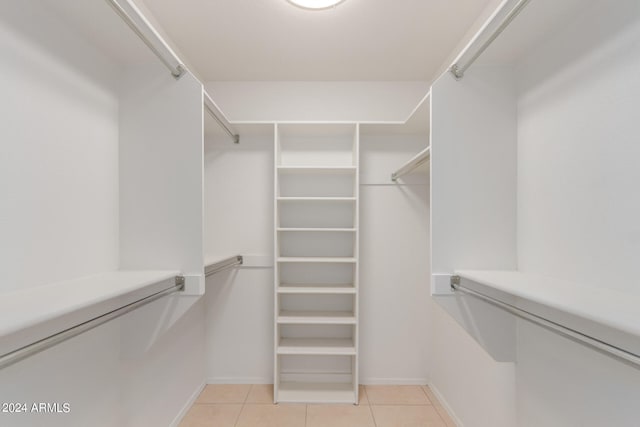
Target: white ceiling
[245,40]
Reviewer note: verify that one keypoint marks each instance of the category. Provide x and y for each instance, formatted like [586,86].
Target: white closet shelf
[330,260]
[286,288]
[27,315]
[316,199]
[317,169]
[333,230]
[316,185]
[291,392]
[317,318]
[317,346]
[608,307]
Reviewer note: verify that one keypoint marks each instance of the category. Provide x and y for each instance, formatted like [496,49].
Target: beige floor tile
[261,393]
[445,416]
[396,395]
[224,393]
[211,415]
[438,405]
[362,396]
[339,416]
[432,397]
[407,416]
[272,416]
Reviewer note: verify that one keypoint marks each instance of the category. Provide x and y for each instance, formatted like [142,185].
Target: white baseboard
[364,381]
[240,380]
[393,381]
[176,421]
[446,405]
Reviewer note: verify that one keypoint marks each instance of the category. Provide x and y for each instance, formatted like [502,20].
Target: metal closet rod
[219,266]
[419,159]
[173,64]
[141,27]
[52,340]
[215,112]
[558,328]
[461,65]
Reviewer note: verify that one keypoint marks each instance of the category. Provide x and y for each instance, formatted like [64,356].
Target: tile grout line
[404,404]
[248,393]
[426,394]
[373,417]
[434,404]
[306,412]
[243,405]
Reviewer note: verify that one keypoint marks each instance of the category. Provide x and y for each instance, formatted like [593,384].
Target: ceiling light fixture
[315,4]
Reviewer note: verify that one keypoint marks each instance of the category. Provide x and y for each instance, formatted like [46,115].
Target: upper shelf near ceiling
[539,20]
[317,102]
[101,27]
[417,123]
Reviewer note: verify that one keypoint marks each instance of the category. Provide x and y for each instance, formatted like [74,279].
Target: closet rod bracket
[179,71]
[457,72]
[455,281]
[180,283]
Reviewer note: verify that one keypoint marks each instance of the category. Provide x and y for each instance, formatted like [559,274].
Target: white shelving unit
[330,260]
[590,311]
[315,392]
[103,210]
[342,230]
[523,238]
[305,288]
[316,317]
[318,169]
[316,199]
[119,230]
[316,271]
[32,314]
[317,346]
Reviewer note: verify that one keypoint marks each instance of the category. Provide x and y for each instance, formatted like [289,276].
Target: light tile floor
[380,406]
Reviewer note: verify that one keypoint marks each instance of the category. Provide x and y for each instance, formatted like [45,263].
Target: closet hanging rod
[141,27]
[54,339]
[419,159]
[476,48]
[219,266]
[219,117]
[549,324]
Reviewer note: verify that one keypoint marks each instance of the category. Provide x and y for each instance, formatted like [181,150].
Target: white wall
[161,173]
[577,189]
[577,116]
[161,364]
[48,79]
[394,264]
[475,389]
[473,225]
[59,177]
[576,220]
[239,221]
[133,371]
[317,101]
[161,226]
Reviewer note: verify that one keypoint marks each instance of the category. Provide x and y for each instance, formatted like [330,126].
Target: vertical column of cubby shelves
[316,263]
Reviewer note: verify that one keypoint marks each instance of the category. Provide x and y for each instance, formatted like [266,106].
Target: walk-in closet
[313,213]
